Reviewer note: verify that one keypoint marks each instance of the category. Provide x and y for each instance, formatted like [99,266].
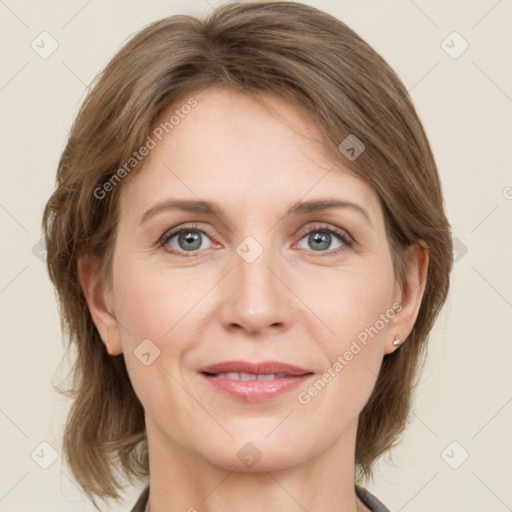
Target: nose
[255,296]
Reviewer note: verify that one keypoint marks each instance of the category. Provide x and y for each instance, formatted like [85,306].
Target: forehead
[231,148]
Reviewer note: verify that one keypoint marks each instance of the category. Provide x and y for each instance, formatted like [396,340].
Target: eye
[321,237]
[183,240]
[190,239]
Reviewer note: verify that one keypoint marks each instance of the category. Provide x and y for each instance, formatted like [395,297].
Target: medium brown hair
[280,48]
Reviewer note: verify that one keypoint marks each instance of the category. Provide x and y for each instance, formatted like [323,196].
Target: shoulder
[365,496]
[141,502]
[370,500]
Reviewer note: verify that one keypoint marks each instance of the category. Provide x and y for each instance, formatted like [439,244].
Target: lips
[254,382]
[256,369]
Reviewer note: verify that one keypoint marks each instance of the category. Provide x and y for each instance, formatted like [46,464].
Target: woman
[220,355]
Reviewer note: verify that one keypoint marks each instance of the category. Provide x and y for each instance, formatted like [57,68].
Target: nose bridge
[252,263]
[257,297]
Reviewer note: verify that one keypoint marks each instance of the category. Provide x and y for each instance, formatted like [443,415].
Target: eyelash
[341,234]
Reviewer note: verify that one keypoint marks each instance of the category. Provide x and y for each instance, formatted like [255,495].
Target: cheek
[154,309]
[356,307]
[165,308]
[351,302]
[150,300]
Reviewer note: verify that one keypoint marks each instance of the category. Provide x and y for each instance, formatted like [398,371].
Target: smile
[248,376]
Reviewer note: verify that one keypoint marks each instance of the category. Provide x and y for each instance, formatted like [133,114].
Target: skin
[293,304]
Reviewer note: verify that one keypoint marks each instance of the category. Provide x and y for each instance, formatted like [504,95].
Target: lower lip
[256,390]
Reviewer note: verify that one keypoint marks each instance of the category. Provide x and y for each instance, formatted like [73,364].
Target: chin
[250,454]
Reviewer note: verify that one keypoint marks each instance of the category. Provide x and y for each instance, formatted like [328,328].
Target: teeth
[249,376]
[230,375]
[267,377]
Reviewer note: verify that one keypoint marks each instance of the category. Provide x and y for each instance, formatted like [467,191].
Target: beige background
[466,106]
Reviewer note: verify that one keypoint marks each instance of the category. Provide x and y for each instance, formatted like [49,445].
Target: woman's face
[270,280]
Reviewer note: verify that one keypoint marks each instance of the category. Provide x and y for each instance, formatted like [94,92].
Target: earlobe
[410,296]
[98,301]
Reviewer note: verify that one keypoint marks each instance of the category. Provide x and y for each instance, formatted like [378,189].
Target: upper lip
[262,368]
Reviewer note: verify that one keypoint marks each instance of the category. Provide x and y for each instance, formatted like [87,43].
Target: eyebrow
[209,208]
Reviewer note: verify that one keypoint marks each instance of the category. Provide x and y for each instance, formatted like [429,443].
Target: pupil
[191,239]
[322,238]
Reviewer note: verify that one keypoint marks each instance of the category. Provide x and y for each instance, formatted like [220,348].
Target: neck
[182,480]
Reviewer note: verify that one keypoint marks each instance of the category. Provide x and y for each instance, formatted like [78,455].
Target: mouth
[246,376]
[254,382]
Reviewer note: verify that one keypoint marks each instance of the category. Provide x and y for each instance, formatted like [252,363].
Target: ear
[409,295]
[98,299]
